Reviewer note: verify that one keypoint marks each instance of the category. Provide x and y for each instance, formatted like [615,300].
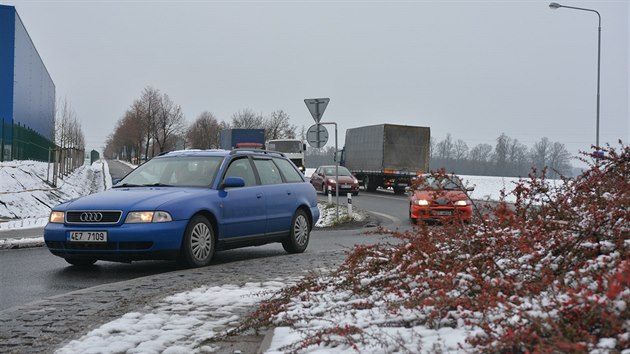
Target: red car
[439,197]
[323,179]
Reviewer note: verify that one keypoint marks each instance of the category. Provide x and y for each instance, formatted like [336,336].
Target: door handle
[259,196]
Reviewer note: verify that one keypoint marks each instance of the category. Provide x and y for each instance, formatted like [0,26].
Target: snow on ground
[182,322]
[177,324]
[26,198]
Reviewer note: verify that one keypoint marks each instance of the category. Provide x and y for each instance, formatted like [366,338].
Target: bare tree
[460,150]
[150,104]
[517,155]
[169,123]
[128,134]
[540,153]
[559,160]
[277,126]
[204,132]
[247,119]
[501,154]
[69,137]
[480,153]
[432,147]
[302,134]
[445,148]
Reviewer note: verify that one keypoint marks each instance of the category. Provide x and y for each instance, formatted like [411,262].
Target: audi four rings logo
[91,216]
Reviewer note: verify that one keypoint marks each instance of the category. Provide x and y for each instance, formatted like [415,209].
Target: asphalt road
[33,274]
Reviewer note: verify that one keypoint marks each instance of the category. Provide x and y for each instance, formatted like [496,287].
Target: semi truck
[241,138]
[292,148]
[387,155]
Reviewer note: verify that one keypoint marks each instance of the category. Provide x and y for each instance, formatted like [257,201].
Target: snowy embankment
[26,197]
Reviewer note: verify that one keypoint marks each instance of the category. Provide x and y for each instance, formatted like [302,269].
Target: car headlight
[421,202]
[461,203]
[136,217]
[331,181]
[57,217]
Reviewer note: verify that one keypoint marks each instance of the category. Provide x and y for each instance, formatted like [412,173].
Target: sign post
[319,135]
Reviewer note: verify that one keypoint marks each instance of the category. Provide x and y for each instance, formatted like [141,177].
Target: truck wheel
[299,233]
[398,190]
[369,186]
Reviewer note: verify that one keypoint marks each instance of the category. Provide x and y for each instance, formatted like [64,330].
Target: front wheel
[299,233]
[198,244]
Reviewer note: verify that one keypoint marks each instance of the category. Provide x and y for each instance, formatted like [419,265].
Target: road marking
[392,218]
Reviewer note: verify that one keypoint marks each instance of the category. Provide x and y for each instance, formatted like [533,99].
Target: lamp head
[555,5]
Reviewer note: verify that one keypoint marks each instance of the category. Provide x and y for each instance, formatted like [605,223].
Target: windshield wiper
[158,184]
[127,185]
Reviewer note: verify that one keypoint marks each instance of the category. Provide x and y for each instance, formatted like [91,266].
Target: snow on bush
[549,274]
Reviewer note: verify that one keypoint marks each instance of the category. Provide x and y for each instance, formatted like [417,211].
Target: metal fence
[18,142]
[22,143]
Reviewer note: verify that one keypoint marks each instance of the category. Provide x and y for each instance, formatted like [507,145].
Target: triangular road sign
[317,106]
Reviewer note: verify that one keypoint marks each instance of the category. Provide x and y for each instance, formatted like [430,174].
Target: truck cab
[294,149]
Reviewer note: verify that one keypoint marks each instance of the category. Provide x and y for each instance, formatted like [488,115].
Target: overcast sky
[474,69]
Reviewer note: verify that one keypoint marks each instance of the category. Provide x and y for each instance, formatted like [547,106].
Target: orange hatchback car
[434,198]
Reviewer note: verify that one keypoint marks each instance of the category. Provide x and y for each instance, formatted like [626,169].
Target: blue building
[27,92]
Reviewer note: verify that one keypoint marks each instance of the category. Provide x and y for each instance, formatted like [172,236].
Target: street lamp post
[555,5]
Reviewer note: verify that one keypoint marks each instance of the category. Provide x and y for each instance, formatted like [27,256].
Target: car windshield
[330,171]
[189,171]
[446,183]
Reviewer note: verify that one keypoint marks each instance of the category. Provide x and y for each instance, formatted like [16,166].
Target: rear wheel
[299,233]
[198,244]
[368,184]
[81,261]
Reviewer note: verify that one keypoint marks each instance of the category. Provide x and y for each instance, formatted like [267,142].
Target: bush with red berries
[550,273]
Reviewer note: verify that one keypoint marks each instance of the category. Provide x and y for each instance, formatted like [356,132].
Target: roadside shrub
[550,273]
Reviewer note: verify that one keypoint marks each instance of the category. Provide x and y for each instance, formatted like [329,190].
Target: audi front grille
[93,216]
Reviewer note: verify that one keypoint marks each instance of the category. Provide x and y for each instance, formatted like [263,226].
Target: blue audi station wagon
[185,205]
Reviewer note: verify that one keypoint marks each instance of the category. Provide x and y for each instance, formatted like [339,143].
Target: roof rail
[259,151]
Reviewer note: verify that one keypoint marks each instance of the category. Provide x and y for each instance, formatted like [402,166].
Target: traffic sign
[317,106]
[317,135]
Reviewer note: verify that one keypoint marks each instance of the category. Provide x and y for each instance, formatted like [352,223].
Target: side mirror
[116,180]
[233,182]
[470,189]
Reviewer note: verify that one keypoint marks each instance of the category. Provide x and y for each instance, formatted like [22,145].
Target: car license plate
[442,212]
[88,236]
[346,186]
